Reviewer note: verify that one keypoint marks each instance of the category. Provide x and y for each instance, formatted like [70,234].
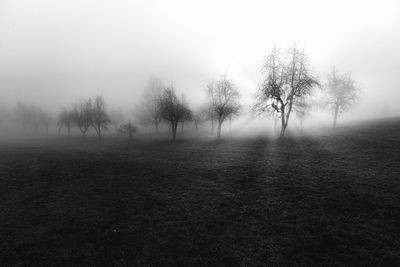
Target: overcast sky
[56,52]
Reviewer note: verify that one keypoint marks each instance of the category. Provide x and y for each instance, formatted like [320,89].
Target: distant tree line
[287,88]
[32,117]
[89,114]
[161,103]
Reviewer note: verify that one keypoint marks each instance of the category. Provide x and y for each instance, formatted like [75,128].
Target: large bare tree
[342,93]
[287,78]
[173,109]
[224,100]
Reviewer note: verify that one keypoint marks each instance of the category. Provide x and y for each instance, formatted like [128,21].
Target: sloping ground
[321,200]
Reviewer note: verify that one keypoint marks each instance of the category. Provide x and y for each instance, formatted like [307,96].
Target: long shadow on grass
[328,218]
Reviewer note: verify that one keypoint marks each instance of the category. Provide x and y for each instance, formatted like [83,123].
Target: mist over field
[199,133]
[56,53]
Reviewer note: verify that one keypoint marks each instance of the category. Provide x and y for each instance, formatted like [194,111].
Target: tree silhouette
[150,113]
[99,116]
[342,93]
[83,116]
[173,109]
[287,78]
[66,118]
[224,100]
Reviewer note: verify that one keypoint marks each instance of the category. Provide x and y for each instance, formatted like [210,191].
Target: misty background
[55,53]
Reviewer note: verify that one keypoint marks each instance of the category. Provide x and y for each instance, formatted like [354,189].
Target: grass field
[324,199]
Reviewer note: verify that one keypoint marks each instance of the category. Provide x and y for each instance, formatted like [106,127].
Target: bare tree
[287,78]
[199,117]
[224,100]
[83,116]
[99,116]
[66,118]
[342,93]
[151,102]
[173,110]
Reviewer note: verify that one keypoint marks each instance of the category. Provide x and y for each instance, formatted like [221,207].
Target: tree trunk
[282,134]
[219,129]
[212,126]
[335,116]
[174,126]
[283,122]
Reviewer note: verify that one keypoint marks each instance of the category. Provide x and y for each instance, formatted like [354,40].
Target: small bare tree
[287,78]
[66,118]
[224,100]
[99,116]
[128,129]
[199,117]
[342,93]
[83,116]
[173,110]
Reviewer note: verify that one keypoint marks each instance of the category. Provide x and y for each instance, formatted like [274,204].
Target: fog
[55,53]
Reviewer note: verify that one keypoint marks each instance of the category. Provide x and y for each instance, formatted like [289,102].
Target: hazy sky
[57,52]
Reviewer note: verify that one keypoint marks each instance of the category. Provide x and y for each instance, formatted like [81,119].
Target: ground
[327,199]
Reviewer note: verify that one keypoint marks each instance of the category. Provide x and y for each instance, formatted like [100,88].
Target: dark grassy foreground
[321,200]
